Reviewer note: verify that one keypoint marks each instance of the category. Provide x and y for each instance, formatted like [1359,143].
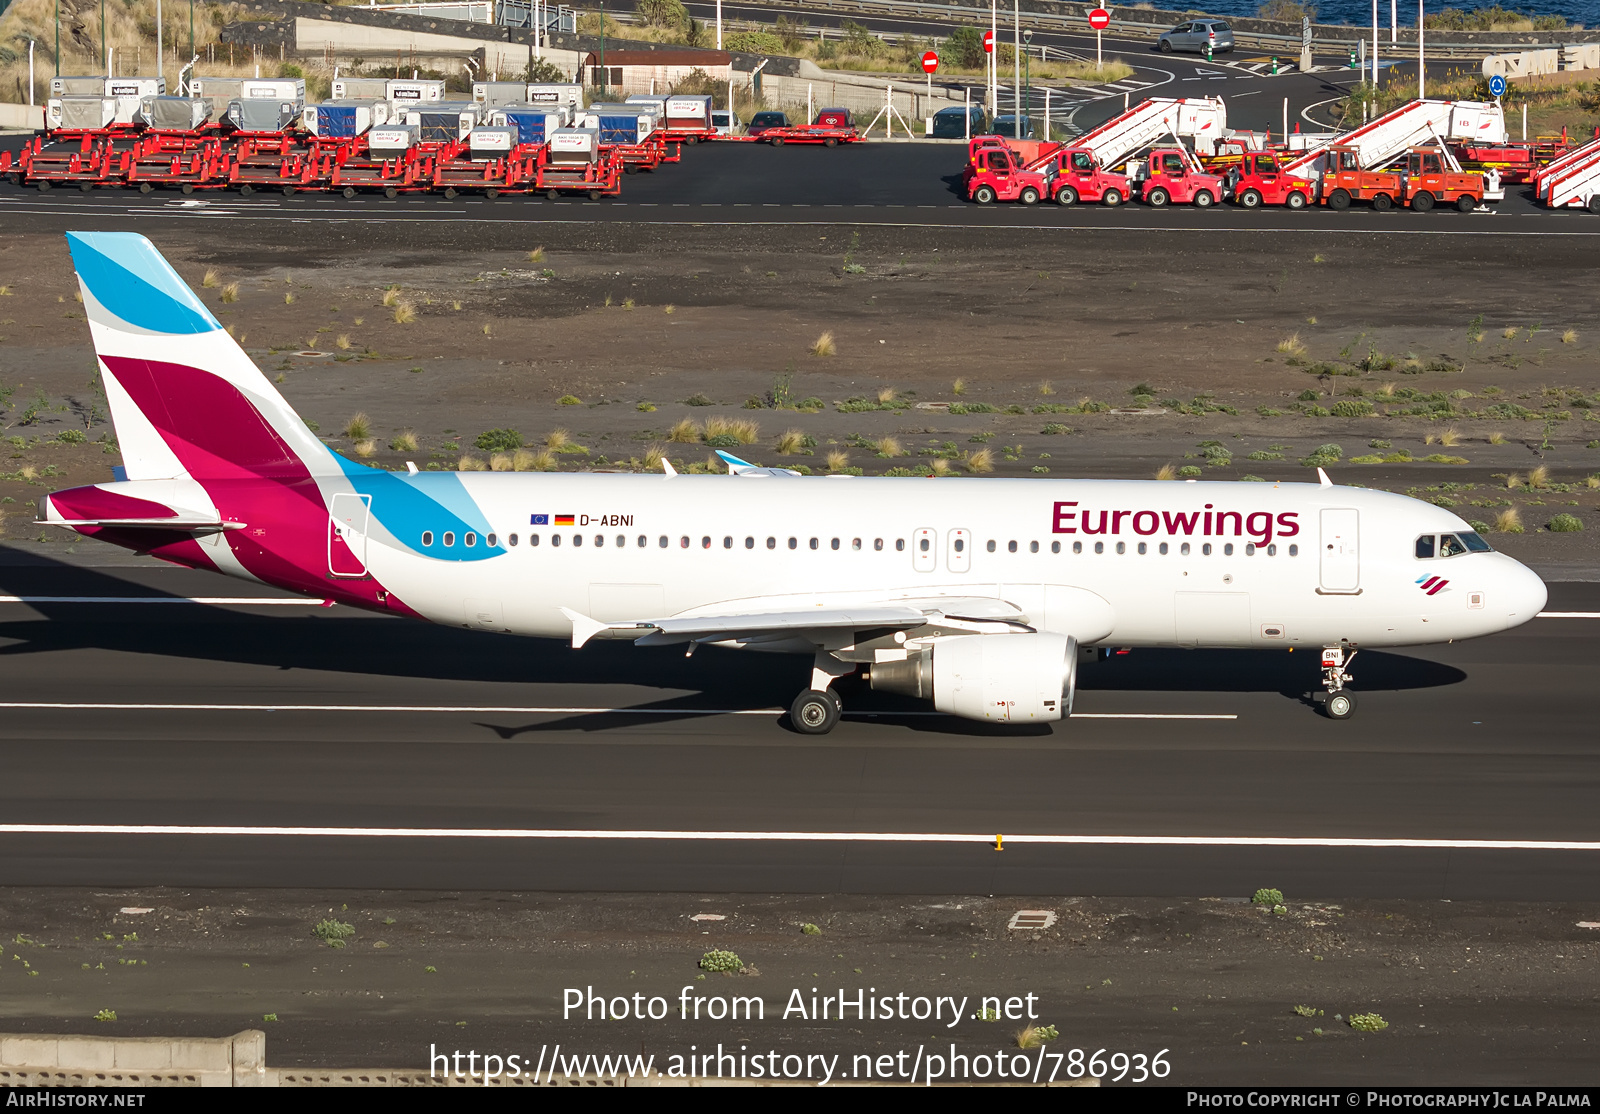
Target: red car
[766,121]
[835,118]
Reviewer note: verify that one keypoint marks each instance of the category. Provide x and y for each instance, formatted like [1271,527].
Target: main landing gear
[816,711]
[1337,701]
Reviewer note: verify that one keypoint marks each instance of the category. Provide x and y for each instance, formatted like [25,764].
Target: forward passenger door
[1341,551]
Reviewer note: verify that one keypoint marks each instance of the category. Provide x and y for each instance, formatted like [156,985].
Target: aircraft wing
[907,614]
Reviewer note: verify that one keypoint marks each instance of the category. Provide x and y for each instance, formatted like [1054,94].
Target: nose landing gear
[1337,702]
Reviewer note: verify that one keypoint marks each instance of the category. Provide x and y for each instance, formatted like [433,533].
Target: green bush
[499,440]
[333,932]
[1352,408]
[1267,897]
[1055,428]
[1309,395]
[1565,524]
[1188,471]
[719,960]
[72,437]
[1368,1022]
[569,400]
[1322,456]
[809,930]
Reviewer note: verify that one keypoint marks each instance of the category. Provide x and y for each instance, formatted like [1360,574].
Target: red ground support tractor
[998,175]
[1434,177]
[1076,175]
[1259,179]
[1173,177]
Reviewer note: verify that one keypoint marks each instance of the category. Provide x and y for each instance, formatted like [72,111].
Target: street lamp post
[58,38]
[1016,67]
[1027,77]
[603,47]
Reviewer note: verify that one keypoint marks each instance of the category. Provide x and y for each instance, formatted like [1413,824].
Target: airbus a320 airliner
[981,596]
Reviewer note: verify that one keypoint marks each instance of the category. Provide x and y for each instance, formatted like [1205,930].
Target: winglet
[583,627]
[666,466]
[735,465]
[1322,478]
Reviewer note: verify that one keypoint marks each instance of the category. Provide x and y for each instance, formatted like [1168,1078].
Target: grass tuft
[230,293]
[391,297]
[469,464]
[1166,472]
[405,313]
[1292,345]
[1497,438]
[686,431]
[824,346]
[739,431]
[1509,332]
[1569,337]
[790,442]
[343,342]
[669,310]
[981,460]
[404,442]
[838,460]
[653,456]
[1450,438]
[536,255]
[557,439]
[211,279]
[1539,477]
[887,394]
[500,462]
[1047,388]
[288,299]
[1035,1035]
[939,466]
[359,427]
[1508,521]
[365,447]
[889,447]
[959,387]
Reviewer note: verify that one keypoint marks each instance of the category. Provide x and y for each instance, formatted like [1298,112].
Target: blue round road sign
[1497,86]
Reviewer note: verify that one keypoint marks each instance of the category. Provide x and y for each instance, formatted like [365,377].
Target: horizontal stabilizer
[737,467]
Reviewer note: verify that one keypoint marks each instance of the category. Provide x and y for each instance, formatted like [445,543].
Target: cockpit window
[1450,545]
[1475,543]
[1425,547]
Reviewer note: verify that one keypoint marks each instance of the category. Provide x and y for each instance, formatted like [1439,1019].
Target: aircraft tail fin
[185,399]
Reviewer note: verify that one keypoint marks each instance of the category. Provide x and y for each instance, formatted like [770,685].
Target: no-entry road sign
[988,42]
[1099,19]
[930,62]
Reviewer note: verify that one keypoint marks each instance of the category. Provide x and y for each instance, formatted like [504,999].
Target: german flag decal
[563,520]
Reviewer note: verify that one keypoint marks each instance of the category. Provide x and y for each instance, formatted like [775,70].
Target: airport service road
[869,184]
[304,730]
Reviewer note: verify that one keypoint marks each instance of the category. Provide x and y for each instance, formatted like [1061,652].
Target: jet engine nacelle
[1004,678]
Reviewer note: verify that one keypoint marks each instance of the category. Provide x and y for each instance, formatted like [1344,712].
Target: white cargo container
[130,92]
[217,91]
[174,114]
[574,146]
[497,93]
[89,85]
[334,119]
[359,89]
[687,113]
[251,115]
[492,142]
[79,113]
[391,140]
[415,92]
[445,121]
[548,94]
[273,89]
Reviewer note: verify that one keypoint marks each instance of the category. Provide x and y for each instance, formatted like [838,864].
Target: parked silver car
[1194,35]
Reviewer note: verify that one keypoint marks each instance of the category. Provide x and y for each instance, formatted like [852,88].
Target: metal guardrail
[1288,44]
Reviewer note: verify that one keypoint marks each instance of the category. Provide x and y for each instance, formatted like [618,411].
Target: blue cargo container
[623,129]
[531,123]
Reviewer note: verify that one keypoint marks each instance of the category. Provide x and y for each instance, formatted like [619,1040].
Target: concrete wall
[24,116]
[81,1061]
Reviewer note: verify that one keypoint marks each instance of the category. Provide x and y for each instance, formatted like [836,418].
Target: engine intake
[1005,678]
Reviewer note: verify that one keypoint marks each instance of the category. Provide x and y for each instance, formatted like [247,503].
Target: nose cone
[1521,594]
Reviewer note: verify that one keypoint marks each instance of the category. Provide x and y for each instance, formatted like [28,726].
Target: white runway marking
[796,837]
[247,601]
[511,710]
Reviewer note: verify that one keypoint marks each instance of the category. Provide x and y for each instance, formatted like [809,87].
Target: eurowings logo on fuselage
[1432,585]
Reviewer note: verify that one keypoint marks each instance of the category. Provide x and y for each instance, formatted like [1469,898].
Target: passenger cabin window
[899,545]
[427,537]
[449,538]
[490,540]
[533,539]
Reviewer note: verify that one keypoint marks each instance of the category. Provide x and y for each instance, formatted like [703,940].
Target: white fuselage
[1175,564]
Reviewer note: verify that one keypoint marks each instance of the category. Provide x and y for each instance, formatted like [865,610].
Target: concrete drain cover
[708,917]
[1032,920]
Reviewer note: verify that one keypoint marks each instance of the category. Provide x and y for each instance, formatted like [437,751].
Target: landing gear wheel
[391,193]
[1466,203]
[1203,200]
[1112,199]
[146,187]
[984,195]
[1295,200]
[1339,200]
[1250,199]
[1339,705]
[1422,202]
[1029,196]
[349,192]
[1067,196]
[1158,198]
[450,193]
[814,712]
[1382,203]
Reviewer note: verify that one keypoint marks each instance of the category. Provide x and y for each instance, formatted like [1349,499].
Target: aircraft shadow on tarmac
[337,642]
